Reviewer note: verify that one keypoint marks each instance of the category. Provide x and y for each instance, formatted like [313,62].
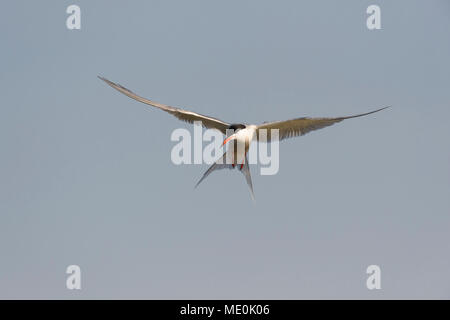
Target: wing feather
[300,126]
[183,115]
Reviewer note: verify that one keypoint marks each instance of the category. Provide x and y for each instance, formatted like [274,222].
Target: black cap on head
[237,126]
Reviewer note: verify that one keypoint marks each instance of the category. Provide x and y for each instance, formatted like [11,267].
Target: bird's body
[241,143]
[241,135]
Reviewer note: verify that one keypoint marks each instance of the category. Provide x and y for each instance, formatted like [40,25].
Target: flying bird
[241,133]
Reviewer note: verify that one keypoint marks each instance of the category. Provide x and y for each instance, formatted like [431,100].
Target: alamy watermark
[374,279]
[73,281]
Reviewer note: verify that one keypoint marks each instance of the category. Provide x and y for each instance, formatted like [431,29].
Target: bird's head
[232,130]
[236,127]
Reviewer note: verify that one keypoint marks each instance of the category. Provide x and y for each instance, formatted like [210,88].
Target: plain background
[86,176]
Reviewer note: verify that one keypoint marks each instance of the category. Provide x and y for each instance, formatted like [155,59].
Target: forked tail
[246,172]
[221,164]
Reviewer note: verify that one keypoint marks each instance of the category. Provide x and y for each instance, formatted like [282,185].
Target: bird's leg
[245,155]
[233,161]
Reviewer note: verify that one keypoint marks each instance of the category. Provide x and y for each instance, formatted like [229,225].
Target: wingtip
[381,109]
[367,113]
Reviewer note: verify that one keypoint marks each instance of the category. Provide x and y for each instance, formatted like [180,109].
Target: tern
[242,133]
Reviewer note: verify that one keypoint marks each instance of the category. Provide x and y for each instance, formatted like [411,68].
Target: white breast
[243,139]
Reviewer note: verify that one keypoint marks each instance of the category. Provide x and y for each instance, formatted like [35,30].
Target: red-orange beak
[228,139]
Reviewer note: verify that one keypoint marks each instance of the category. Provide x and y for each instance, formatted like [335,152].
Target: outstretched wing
[181,114]
[301,126]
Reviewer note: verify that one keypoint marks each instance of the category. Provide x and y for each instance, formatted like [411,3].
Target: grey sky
[86,176]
